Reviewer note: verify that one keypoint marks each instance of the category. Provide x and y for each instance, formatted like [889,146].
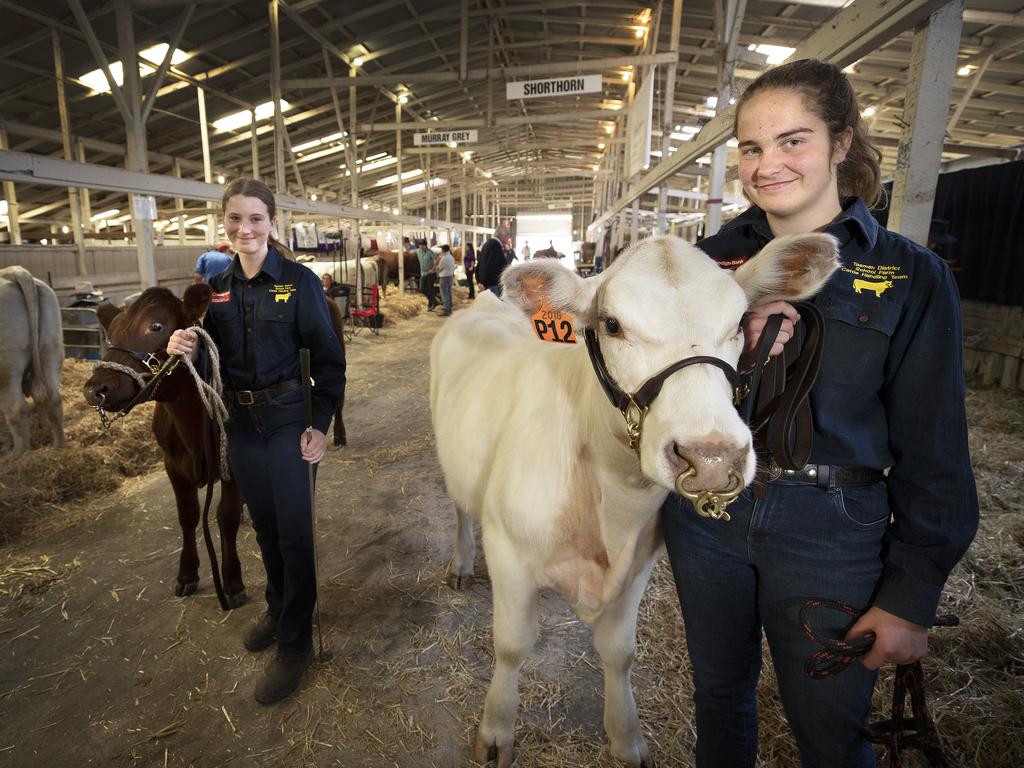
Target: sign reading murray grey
[439,138]
[558,86]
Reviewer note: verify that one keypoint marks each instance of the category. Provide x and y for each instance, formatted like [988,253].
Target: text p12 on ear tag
[553,326]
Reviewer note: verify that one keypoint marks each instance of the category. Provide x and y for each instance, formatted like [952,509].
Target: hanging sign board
[558,86]
[638,127]
[441,138]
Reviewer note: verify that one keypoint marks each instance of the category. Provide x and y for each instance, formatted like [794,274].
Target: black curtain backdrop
[983,209]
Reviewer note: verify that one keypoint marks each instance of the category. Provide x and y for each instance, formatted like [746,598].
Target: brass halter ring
[711,503]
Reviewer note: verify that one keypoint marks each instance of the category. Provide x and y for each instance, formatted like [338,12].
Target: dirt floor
[101,665]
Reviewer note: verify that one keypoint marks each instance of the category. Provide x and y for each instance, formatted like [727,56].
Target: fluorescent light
[394,177]
[97,80]
[732,143]
[682,136]
[3,207]
[412,189]
[105,214]
[377,156]
[965,70]
[357,61]
[869,112]
[317,142]
[244,117]
[711,102]
[776,54]
[321,153]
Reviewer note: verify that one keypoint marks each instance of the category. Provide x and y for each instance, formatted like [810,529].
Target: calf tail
[34,383]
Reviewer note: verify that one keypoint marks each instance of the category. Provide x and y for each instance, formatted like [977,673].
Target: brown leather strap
[782,423]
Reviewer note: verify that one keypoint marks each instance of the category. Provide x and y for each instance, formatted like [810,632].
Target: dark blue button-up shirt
[890,393]
[259,325]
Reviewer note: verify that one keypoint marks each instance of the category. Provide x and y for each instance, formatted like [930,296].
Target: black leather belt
[824,475]
[261,396]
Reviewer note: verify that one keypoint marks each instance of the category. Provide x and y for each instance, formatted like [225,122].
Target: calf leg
[229,515]
[188,519]
[465,550]
[340,438]
[615,640]
[515,632]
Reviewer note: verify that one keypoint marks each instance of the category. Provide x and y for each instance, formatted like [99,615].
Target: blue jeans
[753,573]
[446,293]
[263,446]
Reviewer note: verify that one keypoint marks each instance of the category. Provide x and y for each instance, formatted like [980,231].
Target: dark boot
[281,677]
[262,634]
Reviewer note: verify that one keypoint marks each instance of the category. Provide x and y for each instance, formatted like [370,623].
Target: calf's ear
[538,285]
[106,312]
[195,300]
[789,268]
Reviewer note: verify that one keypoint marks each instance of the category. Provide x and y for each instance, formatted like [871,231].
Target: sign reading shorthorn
[439,138]
[558,86]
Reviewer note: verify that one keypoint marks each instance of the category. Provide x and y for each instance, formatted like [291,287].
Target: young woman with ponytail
[887,504]
[263,309]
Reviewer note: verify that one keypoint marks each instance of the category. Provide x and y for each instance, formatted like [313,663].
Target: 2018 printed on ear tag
[553,326]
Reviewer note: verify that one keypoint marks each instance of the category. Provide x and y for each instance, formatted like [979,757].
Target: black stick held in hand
[307,404]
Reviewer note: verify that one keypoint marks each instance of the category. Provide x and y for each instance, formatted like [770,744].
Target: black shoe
[281,677]
[262,634]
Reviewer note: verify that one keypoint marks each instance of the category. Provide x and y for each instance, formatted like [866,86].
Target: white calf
[531,447]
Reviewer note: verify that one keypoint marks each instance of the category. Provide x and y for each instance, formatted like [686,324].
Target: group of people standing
[877,521]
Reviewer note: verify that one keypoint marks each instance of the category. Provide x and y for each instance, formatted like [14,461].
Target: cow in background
[563,499]
[31,355]
[387,267]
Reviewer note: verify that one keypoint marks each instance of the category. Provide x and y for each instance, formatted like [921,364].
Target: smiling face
[788,161]
[248,225]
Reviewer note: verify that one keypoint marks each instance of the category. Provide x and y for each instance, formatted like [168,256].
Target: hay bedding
[433,681]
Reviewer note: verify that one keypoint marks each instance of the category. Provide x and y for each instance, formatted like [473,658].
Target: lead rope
[212,396]
[899,732]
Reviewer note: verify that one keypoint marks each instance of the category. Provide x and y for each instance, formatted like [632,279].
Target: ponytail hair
[259,190]
[827,93]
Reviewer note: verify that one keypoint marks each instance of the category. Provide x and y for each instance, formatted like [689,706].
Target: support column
[401,210]
[204,137]
[356,235]
[254,146]
[179,204]
[667,119]
[728,34]
[138,155]
[13,225]
[65,132]
[280,180]
[932,66]
[83,197]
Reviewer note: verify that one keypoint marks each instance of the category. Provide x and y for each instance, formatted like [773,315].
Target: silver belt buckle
[774,470]
[245,397]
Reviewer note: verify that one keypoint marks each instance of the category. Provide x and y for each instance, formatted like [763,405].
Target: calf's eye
[156,327]
[612,326]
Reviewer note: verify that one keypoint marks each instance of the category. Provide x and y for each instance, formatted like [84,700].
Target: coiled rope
[212,395]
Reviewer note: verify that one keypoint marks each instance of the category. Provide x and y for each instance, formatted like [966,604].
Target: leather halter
[707,503]
[157,368]
[641,399]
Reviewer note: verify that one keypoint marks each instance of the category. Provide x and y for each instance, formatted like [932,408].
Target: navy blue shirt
[260,324]
[890,393]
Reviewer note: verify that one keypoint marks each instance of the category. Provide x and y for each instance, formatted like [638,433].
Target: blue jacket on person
[212,263]
[260,324]
[890,393]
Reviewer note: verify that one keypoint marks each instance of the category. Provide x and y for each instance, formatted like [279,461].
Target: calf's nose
[95,392]
[713,459]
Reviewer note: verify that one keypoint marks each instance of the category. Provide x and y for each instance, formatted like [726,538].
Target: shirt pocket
[858,332]
[275,339]
[226,324]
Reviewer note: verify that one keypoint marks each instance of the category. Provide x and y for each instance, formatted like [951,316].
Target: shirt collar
[855,219]
[271,265]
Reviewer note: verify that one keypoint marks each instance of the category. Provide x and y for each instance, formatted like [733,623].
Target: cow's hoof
[486,752]
[459,582]
[635,757]
[340,441]
[236,600]
[186,589]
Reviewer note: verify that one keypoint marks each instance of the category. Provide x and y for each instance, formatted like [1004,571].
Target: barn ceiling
[535,153]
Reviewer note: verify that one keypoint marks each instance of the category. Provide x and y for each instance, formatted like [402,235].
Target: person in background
[491,262]
[212,263]
[469,264]
[427,273]
[263,309]
[510,252]
[526,250]
[841,528]
[446,275]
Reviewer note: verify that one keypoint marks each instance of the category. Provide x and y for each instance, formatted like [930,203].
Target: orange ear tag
[553,326]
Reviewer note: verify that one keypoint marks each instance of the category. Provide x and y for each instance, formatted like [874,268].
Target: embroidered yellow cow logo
[283,292]
[878,287]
